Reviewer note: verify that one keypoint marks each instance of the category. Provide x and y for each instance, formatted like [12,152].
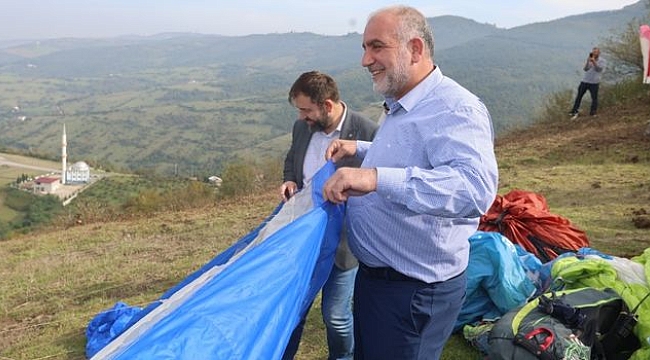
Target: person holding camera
[593,68]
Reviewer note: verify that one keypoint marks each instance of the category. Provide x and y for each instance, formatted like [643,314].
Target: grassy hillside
[33,166]
[9,173]
[593,171]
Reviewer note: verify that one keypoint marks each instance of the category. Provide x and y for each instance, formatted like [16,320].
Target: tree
[624,57]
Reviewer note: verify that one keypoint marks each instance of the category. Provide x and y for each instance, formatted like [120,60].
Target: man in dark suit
[323,117]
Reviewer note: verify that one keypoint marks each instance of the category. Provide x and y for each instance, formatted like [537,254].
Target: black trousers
[593,92]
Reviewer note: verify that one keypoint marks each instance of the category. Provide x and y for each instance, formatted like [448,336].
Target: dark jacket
[355,127]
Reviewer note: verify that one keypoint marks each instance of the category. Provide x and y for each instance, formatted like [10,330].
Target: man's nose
[366,59]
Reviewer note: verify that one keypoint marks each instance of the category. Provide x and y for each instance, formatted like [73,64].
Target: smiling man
[424,183]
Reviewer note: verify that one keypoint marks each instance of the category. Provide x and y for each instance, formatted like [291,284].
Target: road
[4,161]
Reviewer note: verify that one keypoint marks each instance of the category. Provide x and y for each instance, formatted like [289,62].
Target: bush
[623,91]
[195,194]
[37,211]
[146,201]
[556,106]
[623,50]
[238,179]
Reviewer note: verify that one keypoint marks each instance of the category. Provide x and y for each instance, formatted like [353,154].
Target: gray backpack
[579,324]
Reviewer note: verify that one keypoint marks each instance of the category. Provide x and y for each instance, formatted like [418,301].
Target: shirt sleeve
[362,148]
[460,176]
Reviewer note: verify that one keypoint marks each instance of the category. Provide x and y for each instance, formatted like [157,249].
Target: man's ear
[329,105]
[416,47]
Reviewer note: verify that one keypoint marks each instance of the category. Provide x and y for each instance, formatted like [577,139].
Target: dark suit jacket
[355,127]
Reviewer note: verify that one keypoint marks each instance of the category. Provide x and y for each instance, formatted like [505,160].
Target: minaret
[64,156]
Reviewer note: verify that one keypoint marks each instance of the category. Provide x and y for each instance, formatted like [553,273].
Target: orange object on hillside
[524,218]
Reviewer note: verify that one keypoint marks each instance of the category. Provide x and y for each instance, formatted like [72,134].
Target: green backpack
[579,324]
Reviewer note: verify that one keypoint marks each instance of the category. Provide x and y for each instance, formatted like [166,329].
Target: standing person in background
[593,68]
[424,183]
[322,117]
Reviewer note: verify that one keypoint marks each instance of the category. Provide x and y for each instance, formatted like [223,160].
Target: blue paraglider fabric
[244,303]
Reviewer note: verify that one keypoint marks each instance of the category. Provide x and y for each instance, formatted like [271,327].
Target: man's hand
[339,149]
[287,190]
[348,182]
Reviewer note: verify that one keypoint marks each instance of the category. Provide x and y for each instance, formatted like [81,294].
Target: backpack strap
[559,309]
[619,339]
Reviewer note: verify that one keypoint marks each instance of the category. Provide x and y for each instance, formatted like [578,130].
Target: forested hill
[192,101]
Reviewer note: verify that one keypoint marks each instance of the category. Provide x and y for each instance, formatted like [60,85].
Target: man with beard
[424,183]
[323,117]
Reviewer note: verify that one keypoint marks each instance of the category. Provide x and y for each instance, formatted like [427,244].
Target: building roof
[46,180]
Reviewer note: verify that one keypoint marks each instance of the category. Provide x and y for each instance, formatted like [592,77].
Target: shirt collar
[343,116]
[413,97]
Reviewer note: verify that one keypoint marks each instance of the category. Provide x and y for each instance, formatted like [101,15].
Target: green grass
[9,174]
[7,214]
[31,161]
[61,279]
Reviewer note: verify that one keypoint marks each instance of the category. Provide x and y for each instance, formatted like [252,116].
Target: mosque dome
[80,166]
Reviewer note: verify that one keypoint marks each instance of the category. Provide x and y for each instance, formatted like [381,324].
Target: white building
[215,180]
[79,172]
[64,156]
[46,185]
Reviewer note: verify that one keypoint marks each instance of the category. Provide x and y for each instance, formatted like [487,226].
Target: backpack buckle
[537,341]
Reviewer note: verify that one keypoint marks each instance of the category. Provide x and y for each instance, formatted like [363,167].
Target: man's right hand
[348,182]
[287,190]
[339,149]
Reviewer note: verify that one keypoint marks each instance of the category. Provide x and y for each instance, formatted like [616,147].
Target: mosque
[78,172]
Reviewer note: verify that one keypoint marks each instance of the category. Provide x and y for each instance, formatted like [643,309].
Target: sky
[43,19]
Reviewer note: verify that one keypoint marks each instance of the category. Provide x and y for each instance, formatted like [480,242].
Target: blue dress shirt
[436,175]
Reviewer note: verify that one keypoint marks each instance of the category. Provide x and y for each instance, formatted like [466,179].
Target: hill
[594,171]
[519,67]
[191,103]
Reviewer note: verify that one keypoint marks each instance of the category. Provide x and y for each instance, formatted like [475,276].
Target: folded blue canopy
[497,279]
[243,304]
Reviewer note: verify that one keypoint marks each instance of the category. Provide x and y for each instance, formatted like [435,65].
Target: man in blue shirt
[426,179]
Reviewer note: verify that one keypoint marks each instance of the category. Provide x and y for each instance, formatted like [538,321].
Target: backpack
[579,324]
